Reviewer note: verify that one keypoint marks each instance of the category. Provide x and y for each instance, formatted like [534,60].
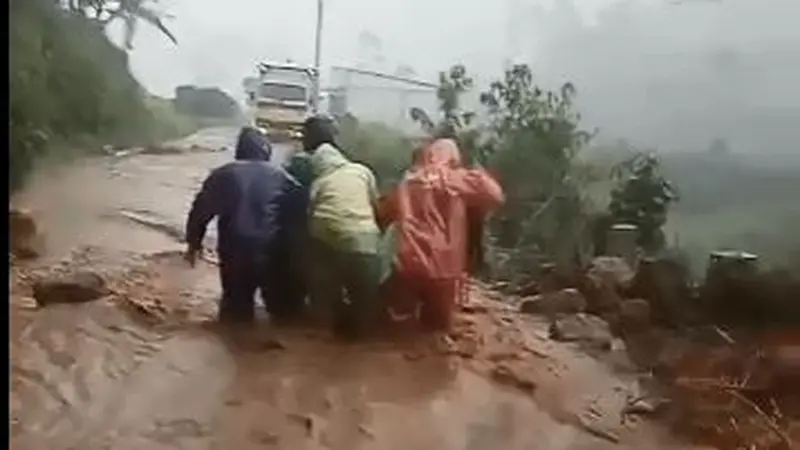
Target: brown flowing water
[142,368]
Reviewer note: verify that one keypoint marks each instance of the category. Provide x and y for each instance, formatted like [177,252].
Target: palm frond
[154,18]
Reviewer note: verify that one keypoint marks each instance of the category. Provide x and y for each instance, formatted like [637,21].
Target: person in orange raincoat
[430,211]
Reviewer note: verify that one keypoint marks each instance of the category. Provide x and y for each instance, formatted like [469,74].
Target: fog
[672,74]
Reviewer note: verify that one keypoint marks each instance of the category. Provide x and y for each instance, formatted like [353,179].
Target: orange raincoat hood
[429,210]
[440,153]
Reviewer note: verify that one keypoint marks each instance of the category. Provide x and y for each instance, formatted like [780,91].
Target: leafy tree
[532,141]
[454,121]
[642,197]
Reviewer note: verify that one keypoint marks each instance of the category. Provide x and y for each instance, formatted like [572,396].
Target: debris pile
[726,389]
[735,398]
[25,236]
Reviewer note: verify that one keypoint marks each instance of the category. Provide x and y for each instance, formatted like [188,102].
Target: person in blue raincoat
[259,207]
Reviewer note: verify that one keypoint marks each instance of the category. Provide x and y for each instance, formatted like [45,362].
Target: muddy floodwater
[145,368]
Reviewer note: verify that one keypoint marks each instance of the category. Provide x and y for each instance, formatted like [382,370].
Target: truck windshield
[284,92]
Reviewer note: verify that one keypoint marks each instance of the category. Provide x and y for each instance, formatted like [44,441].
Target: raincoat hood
[327,159]
[440,153]
[252,146]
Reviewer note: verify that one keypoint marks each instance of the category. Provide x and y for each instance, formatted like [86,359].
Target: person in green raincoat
[345,241]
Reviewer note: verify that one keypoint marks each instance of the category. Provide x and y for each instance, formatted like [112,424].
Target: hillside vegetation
[71,88]
[207,102]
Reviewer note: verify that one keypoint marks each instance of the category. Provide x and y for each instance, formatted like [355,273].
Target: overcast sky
[219,41]
[648,70]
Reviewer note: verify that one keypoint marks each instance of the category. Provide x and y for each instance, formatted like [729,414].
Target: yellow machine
[281,98]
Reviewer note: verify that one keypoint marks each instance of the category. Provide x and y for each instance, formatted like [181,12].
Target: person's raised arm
[480,190]
[204,208]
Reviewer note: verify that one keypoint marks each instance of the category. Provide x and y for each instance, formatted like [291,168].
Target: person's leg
[325,293]
[238,289]
[439,301]
[282,290]
[361,314]
[297,279]
[398,297]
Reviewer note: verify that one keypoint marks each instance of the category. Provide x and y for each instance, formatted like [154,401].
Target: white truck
[280,98]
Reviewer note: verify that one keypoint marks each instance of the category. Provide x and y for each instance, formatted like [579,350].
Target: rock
[634,315]
[553,278]
[78,287]
[583,328]
[645,348]
[666,284]
[614,323]
[612,269]
[529,289]
[163,149]
[566,301]
[600,297]
[25,239]
[643,406]
[605,281]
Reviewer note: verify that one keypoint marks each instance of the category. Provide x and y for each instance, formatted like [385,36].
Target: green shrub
[383,149]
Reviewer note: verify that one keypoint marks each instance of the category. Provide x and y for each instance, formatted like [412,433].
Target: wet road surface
[144,368]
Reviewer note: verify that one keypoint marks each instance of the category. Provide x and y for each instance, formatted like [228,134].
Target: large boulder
[25,239]
[582,328]
[554,278]
[605,282]
[778,293]
[634,316]
[76,287]
[645,349]
[565,301]
[613,270]
[731,292]
[666,284]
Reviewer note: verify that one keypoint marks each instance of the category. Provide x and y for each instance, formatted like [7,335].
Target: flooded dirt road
[144,368]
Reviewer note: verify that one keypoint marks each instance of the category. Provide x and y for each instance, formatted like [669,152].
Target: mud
[145,368]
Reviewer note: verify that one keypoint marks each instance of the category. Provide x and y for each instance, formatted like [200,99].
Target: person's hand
[191,255]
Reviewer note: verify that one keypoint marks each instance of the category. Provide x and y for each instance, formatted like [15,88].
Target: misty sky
[648,70]
[220,41]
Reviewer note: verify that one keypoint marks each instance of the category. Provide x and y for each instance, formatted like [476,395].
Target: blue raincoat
[259,207]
